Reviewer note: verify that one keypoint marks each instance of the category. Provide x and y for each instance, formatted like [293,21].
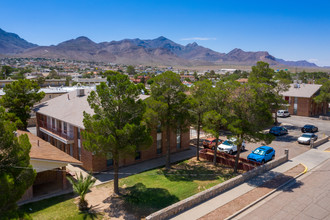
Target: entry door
[295,105]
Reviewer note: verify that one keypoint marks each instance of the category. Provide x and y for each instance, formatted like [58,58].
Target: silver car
[306,138]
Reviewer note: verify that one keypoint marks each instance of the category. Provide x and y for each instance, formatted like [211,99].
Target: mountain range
[159,51]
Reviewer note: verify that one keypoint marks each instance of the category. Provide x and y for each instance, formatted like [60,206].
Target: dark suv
[309,129]
[278,130]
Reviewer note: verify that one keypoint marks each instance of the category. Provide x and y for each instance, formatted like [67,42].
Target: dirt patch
[239,203]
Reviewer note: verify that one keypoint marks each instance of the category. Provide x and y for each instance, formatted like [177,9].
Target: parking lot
[289,141]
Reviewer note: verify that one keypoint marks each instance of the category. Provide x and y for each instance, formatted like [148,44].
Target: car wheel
[213,148]
[273,157]
[303,130]
[231,152]
[263,162]
[243,148]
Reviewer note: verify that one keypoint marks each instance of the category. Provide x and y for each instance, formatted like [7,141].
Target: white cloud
[199,38]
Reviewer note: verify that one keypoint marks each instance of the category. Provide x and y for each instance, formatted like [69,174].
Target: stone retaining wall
[321,141]
[187,203]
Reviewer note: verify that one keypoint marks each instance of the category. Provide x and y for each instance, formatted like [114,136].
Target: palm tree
[81,187]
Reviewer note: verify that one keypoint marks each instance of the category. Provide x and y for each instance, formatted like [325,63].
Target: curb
[268,194]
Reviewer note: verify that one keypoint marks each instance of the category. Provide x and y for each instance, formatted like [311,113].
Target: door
[295,105]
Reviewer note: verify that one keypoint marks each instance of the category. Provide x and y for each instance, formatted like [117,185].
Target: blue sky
[292,30]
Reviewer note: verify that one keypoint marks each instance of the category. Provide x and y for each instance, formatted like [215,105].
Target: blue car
[262,154]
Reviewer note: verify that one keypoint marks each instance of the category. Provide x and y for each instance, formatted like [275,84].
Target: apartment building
[301,100]
[60,122]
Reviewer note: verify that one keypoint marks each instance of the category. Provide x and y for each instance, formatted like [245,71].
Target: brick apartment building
[60,122]
[301,100]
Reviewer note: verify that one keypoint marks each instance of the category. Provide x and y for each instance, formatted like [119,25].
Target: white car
[306,138]
[283,113]
[229,146]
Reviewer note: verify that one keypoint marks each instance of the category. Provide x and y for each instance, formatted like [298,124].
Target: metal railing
[58,131]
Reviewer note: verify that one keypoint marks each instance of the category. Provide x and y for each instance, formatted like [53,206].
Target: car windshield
[275,128]
[226,142]
[308,126]
[259,152]
[306,135]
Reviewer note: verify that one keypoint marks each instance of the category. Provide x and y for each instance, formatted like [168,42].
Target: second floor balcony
[57,133]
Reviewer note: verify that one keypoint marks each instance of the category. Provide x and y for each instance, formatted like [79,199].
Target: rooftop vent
[80,92]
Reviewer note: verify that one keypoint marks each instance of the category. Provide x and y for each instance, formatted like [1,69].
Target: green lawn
[60,207]
[144,193]
[155,189]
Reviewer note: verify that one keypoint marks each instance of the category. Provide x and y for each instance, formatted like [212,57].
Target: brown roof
[46,151]
[242,80]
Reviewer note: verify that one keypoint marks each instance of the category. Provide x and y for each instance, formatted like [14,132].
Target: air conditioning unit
[80,92]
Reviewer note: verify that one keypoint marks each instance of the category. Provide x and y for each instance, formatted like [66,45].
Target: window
[109,162]
[53,123]
[65,128]
[138,155]
[159,143]
[71,150]
[178,139]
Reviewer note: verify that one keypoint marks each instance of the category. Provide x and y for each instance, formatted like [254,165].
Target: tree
[16,175]
[169,103]
[40,81]
[53,75]
[269,85]
[249,114]
[81,187]
[324,95]
[116,130]
[68,79]
[215,119]
[19,98]
[200,99]
[5,71]
[130,70]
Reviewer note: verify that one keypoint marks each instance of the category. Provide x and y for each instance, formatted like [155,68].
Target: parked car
[278,130]
[309,128]
[283,113]
[306,138]
[210,143]
[262,154]
[229,146]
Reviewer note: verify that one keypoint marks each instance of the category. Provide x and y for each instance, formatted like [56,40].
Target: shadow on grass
[186,172]
[45,203]
[143,201]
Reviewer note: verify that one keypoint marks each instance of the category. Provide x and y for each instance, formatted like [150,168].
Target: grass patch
[155,189]
[59,207]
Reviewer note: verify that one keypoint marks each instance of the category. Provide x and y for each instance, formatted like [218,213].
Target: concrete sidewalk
[104,177]
[310,159]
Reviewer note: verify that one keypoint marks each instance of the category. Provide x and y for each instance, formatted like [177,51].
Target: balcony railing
[58,131]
